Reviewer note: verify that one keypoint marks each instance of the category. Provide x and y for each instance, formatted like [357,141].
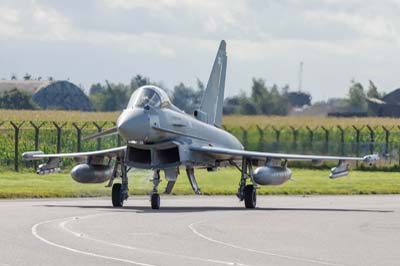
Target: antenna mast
[301,75]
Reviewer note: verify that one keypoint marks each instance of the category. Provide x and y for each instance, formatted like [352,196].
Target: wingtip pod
[371,158]
[30,155]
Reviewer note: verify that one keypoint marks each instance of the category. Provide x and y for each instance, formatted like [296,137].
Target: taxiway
[202,230]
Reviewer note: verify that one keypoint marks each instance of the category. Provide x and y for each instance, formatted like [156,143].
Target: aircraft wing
[38,155]
[238,154]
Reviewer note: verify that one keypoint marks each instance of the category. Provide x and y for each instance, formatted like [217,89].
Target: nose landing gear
[154,196]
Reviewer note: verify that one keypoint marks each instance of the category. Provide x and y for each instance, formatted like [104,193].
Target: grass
[222,182]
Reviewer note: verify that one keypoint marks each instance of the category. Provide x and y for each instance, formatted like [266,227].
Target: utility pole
[301,75]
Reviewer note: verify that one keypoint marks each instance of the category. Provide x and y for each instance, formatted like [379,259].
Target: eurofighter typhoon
[161,137]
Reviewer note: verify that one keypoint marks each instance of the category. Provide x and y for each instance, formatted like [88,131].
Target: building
[388,106]
[62,95]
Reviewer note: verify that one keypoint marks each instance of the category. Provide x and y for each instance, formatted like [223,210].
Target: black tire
[250,197]
[155,201]
[117,200]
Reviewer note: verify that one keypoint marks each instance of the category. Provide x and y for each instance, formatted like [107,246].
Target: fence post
[16,127]
[37,128]
[277,137]
[358,132]
[326,130]
[59,129]
[244,136]
[261,141]
[79,134]
[387,136]
[118,136]
[295,133]
[342,131]
[371,138]
[99,129]
[311,135]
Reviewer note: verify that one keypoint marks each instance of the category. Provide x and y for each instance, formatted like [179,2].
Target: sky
[174,41]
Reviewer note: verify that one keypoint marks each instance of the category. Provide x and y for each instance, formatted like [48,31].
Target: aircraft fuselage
[158,138]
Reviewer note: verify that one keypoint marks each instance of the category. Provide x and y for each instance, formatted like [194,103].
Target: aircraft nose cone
[133,124]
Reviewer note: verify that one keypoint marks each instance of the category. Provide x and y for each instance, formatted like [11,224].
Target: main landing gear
[119,191]
[247,193]
[155,197]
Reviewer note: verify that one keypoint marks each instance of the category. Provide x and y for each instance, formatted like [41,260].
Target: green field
[304,135]
[222,182]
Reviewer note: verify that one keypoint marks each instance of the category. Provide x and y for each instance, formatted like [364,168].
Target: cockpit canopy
[149,95]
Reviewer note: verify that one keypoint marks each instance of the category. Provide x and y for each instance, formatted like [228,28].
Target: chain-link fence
[55,137]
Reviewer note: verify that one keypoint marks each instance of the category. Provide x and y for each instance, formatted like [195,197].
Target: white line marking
[3,264]
[63,225]
[193,229]
[143,234]
[48,242]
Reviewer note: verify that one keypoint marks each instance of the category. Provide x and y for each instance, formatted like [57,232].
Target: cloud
[210,15]
[265,38]
[47,24]
[367,26]
[9,19]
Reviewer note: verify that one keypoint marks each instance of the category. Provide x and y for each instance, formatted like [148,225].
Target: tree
[268,101]
[231,105]
[186,98]
[247,106]
[109,97]
[357,99]
[96,88]
[16,99]
[139,81]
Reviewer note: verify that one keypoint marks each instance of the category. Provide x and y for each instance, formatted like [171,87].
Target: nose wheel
[154,196]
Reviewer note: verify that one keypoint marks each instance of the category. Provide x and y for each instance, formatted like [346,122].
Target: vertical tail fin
[213,98]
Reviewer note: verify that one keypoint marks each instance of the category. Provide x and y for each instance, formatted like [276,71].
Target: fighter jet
[161,137]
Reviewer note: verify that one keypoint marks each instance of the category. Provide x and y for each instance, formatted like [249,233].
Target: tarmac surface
[202,230]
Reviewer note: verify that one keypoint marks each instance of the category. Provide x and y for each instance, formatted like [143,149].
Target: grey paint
[160,136]
[272,175]
[90,174]
[214,94]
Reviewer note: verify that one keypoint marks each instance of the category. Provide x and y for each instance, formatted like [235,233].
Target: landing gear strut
[154,196]
[192,180]
[247,193]
[119,191]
